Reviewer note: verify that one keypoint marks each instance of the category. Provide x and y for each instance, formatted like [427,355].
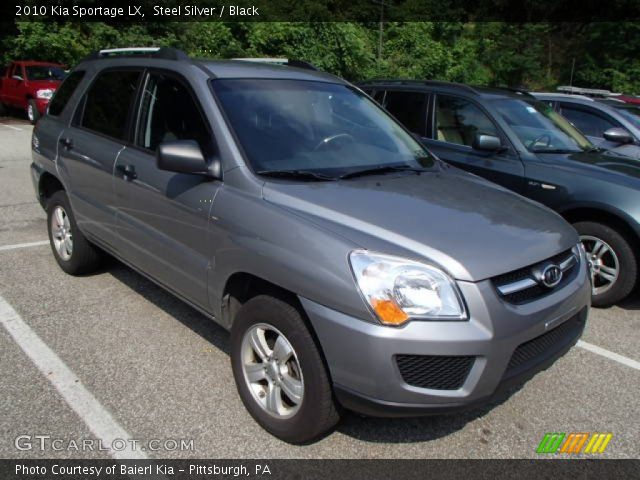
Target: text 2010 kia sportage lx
[352,267]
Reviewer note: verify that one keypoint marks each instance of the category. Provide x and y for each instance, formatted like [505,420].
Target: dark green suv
[510,138]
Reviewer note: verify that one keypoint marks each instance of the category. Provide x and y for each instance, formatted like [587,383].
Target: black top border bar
[139,11]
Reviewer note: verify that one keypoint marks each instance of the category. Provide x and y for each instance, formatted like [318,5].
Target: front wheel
[279,371]
[33,114]
[614,266]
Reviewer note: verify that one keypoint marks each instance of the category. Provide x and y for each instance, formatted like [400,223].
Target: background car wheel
[71,249]
[279,371]
[32,112]
[3,109]
[614,264]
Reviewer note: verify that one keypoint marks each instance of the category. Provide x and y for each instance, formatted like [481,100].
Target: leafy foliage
[532,55]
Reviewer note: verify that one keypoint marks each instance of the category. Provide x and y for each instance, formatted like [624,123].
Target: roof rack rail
[521,91]
[289,62]
[563,95]
[396,81]
[592,92]
[166,53]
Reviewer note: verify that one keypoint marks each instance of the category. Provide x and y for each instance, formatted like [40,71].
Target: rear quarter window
[64,92]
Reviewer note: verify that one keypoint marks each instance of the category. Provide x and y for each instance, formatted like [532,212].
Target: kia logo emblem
[551,276]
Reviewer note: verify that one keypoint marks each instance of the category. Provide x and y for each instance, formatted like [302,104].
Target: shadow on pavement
[632,302]
[188,316]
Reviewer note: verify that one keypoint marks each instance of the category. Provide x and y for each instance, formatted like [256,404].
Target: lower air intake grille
[532,352]
[435,372]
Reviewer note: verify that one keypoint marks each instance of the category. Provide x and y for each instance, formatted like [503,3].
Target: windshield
[324,128]
[632,114]
[539,128]
[43,72]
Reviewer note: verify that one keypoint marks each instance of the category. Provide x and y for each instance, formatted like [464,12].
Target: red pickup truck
[29,85]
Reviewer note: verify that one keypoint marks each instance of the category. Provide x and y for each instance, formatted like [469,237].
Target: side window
[168,112]
[64,92]
[589,123]
[108,101]
[459,121]
[408,108]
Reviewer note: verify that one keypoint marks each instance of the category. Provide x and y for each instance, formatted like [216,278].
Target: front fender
[256,237]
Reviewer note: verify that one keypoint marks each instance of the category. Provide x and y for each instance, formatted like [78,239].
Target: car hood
[40,84]
[618,161]
[472,228]
[632,151]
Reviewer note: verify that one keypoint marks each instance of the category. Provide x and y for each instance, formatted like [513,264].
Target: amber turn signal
[388,312]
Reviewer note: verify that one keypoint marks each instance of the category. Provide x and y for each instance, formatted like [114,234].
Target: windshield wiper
[380,171]
[595,149]
[297,174]
[554,150]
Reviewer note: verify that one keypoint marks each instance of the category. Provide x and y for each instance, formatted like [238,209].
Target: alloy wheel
[272,371]
[605,266]
[61,233]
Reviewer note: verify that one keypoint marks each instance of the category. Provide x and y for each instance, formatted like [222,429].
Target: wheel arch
[242,286]
[613,218]
[48,184]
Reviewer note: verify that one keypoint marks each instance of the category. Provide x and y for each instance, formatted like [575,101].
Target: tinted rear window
[108,102]
[64,92]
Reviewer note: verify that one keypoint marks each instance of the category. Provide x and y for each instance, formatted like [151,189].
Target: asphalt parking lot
[128,359]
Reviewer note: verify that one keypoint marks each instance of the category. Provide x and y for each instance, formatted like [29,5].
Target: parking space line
[609,354]
[11,127]
[24,245]
[62,378]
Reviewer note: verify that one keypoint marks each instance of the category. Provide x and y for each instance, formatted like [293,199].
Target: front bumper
[42,104]
[363,356]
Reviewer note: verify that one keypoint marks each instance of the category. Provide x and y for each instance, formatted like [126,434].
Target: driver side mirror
[185,156]
[487,143]
[618,135]
[17,77]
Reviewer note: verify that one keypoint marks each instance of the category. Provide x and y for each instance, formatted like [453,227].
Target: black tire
[84,257]
[3,110]
[32,111]
[627,261]
[317,413]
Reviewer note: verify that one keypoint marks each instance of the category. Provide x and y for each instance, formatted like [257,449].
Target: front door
[162,217]
[456,123]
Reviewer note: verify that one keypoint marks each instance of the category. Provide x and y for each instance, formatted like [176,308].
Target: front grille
[535,291]
[530,353]
[435,372]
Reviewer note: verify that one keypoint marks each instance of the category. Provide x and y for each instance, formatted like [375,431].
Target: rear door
[162,217]
[409,108]
[89,147]
[455,121]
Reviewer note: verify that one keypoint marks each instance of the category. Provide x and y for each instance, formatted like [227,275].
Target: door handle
[128,172]
[66,142]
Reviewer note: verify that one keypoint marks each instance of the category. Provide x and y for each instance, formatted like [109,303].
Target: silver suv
[353,268]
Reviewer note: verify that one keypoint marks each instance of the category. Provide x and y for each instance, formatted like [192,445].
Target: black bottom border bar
[82,469]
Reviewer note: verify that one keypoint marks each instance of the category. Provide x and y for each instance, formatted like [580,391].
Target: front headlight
[46,93]
[398,289]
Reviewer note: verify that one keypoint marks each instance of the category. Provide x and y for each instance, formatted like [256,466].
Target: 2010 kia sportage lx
[352,267]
